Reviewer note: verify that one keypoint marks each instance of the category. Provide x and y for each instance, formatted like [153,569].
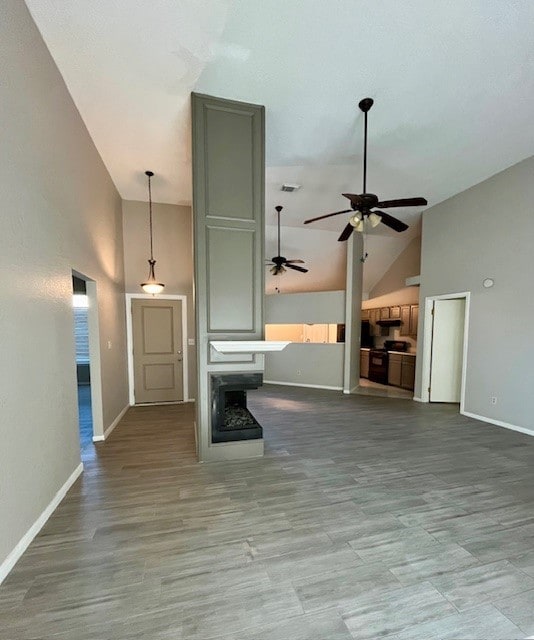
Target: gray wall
[488,231]
[314,364]
[61,211]
[306,364]
[173,251]
[406,265]
[321,307]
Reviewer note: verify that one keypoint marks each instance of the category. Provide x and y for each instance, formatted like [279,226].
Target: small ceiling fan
[278,264]
[363,203]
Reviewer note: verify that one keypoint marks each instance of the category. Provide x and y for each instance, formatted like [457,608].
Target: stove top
[392,345]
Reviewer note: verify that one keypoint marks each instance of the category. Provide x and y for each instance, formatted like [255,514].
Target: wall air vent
[290,187]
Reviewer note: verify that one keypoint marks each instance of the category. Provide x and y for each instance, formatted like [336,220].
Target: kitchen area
[388,350]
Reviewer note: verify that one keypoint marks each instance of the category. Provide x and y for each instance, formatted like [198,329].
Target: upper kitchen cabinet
[409,315]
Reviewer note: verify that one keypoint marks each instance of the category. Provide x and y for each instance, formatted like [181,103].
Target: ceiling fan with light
[362,204]
[279,264]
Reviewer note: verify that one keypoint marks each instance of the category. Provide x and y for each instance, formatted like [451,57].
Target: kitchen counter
[404,353]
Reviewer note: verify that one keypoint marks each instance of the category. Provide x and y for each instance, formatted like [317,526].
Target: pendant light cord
[150,216]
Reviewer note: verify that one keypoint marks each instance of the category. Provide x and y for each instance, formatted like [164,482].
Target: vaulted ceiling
[453,84]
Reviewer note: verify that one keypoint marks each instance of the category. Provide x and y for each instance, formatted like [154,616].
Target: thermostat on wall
[488,282]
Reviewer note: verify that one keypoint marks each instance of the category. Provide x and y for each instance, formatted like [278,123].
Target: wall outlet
[493,400]
[109,344]
[298,372]
[191,342]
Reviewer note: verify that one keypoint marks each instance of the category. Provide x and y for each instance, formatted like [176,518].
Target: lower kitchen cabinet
[364,363]
[395,369]
[408,372]
[401,371]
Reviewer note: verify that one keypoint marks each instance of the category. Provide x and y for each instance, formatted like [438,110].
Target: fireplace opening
[230,418]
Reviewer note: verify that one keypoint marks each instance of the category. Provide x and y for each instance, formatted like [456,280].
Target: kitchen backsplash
[394,334]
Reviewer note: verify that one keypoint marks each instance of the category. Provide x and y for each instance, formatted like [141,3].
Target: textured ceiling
[453,84]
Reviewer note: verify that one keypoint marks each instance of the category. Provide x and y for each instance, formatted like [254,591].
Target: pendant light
[151,285]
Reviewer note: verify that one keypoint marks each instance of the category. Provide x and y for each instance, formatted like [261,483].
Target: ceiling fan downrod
[365,105]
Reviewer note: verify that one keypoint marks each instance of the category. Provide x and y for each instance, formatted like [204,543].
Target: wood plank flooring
[367,518]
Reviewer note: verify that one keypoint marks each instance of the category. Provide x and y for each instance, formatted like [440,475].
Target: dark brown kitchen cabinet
[365,314]
[364,363]
[409,315]
[394,312]
[408,372]
[414,319]
[374,317]
[384,313]
[395,369]
[405,320]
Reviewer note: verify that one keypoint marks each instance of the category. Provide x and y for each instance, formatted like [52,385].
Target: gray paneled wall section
[228,215]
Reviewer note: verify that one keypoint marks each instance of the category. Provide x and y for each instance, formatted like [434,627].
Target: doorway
[445,348]
[80,305]
[157,349]
[88,374]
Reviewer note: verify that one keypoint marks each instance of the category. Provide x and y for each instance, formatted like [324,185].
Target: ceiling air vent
[290,187]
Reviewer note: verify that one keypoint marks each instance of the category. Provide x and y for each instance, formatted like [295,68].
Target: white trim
[298,384]
[129,341]
[94,353]
[26,539]
[498,423]
[111,426]
[354,390]
[418,399]
[427,344]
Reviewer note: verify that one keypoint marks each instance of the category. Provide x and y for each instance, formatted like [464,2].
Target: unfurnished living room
[266,305]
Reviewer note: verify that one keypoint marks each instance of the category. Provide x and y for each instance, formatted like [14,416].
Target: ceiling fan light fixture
[374,219]
[355,219]
[151,285]
[357,222]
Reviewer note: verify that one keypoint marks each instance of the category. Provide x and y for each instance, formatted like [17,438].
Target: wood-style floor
[367,518]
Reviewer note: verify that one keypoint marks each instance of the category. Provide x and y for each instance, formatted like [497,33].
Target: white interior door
[447,350]
[157,350]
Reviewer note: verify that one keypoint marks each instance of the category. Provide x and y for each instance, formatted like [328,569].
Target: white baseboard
[111,426]
[308,386]
[26,539]
[498,423]
[351,391]
[418,399]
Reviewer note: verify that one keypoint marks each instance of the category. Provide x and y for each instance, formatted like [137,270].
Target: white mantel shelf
[248,346]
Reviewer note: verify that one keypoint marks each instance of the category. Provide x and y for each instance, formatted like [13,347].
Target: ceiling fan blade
[346,233]
[403,202]
[391,222]
[295,268]
[295,261]
[328,215]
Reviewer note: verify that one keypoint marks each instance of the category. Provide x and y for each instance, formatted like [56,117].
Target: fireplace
[230,418]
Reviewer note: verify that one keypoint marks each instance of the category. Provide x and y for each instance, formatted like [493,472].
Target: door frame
[129,343]
[427,343]
[95,368]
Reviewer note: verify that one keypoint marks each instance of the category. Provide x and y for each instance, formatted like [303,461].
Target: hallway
[368,517]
